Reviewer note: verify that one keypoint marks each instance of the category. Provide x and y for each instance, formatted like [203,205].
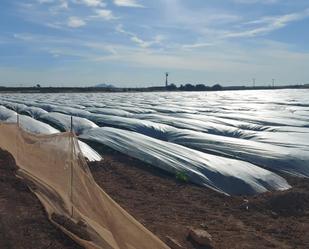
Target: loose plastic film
[54,168]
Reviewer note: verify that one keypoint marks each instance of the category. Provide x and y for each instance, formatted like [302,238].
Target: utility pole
[166,79]
[71,168]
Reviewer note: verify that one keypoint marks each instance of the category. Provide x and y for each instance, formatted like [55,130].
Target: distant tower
[273,81]
[166,79]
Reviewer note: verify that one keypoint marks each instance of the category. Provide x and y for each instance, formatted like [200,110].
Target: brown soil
[168,207]
[23,222]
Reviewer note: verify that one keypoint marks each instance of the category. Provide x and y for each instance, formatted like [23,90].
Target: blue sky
[133,42]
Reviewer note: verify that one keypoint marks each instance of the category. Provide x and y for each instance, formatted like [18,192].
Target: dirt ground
[165,206]
[168,207]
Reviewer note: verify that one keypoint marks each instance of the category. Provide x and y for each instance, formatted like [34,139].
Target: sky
[132,43]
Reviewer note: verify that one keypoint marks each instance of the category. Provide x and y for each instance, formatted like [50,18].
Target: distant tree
[171,87]
[200,87]
[189,87]
[38,86]
[216,87]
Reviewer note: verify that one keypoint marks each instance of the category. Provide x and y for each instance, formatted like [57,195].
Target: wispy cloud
[105,14]
[142,43]
[197,45]
[75,22]
[128,3]
[268,24]
[146,44]
[60,5]
[91,3]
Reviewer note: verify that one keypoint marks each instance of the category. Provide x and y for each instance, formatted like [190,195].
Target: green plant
[182,176]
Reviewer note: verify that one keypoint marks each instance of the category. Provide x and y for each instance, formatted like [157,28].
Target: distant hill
[103,85]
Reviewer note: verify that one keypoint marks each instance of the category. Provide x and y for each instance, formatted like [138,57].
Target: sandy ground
[165,206]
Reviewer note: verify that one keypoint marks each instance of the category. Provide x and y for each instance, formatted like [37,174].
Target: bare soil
[168,207]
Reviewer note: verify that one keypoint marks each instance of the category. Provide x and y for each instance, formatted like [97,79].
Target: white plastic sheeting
[261,120]
[207,117]
[63,122]
[289,160]
[13,106]
[269,129]
[292,156]
[36,127]
[89,153]
[49,107]
[297,140]
[110,111]
[65,110]
[194,124]
[32,126]
[24,109]
[225,175]
[5,114]
[33,112]
[281,153]
[145,127]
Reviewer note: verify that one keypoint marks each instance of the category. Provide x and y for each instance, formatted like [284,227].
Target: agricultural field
[233,142]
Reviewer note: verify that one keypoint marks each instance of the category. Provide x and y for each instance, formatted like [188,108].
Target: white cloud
[212,25]
[75,22]
[128,3]
[59,6]
[91,3]
[177,14]
[146,44]
[105,14]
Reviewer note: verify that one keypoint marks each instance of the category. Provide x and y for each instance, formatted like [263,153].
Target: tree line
[198,87]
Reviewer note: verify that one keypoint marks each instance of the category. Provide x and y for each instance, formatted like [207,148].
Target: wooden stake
[72,151]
